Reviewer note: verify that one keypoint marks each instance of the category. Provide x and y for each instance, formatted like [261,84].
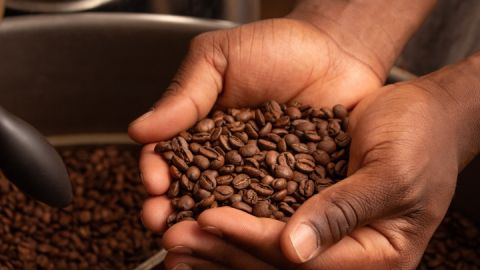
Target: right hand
[280,59]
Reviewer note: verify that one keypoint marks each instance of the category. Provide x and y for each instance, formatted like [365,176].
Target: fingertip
[154,170]
[155,213]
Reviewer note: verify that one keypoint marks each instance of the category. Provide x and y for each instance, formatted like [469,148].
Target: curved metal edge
[55,6]
[94,18]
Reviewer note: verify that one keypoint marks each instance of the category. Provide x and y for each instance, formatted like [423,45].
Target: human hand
[281,59]
[404,159]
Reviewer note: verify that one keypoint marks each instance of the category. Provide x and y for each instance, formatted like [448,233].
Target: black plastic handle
[31,163]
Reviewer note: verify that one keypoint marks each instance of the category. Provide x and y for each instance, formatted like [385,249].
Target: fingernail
[182,266]
[305,241]
[213,230]
[181,250]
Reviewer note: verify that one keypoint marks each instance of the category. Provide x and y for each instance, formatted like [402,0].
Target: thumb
[189,97]
[327,217]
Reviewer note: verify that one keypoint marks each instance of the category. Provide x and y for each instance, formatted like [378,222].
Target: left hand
[402,173]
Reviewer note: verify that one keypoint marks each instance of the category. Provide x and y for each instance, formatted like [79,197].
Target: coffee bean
[250,197]
[185,203]
[262,189]
[327,145]
[193,173]
[201,162]
[242,206]
[280,195]
[283,171]
[279,184]
[208,152]
[253,172]
[205,125]
[248,150]
[286,209]
[306,188]
[293,113]
[262,209]
[321,157]
[241,181]
[286,159]
[342,139]
[207,182]
[224,179]
[267,180]
[305,165]
[222,193]
[251,131]
[235,142]
[340,111]
[271,158]
[291,187]
[266,145]
[174,189]
[201,194]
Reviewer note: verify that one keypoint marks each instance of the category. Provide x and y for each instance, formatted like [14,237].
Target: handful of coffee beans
[265,161]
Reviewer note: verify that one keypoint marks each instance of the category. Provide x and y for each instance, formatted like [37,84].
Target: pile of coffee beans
[265,161]
[455,245]
[100,230]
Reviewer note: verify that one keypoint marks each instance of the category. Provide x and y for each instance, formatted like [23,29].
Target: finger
[259,235]
[190,96]
[154,170]
[175,261]
[327,217]
[187,237]
[155,213]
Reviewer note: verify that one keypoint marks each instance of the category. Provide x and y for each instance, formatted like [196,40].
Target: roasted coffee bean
[267,180]
[292,186]
[241,181]
[271,158]
[185,203]
[280,195]
[207,182]
[279,184]
[282,121]
[174,189]
[201,162]
[273,137]
[300,148]
[193,173]
[224,179]
[305,165]
[184,215]
[163,147]
[227,169]
[286,209]
[327,145]
[252,162]
[266,129]
[175,172]
[248,150]
[340,154]
[306,188]
[340,111]
[217,163]
[235,142]
[251,132]
[341,168]
[333,128]
[201,137]
[291,139]
[266,145]
[306,126]
[201,194]
[250,196]
[294,113]
[262,189]
[283,171]
[321,156]
[208,152]
[253,172]
[206,202]
[235,198]
[327,113]
[286,159]
[222,193]
[342,139]
[242,206]
[205,125]
[233,157]
[262,209]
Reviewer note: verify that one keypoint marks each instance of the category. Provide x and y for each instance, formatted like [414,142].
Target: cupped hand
[402,174]
[280,59]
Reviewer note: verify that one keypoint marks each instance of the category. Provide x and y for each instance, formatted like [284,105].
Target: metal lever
[31,163]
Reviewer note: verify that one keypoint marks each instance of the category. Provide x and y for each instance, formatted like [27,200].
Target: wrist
[374,32]
[457,87]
